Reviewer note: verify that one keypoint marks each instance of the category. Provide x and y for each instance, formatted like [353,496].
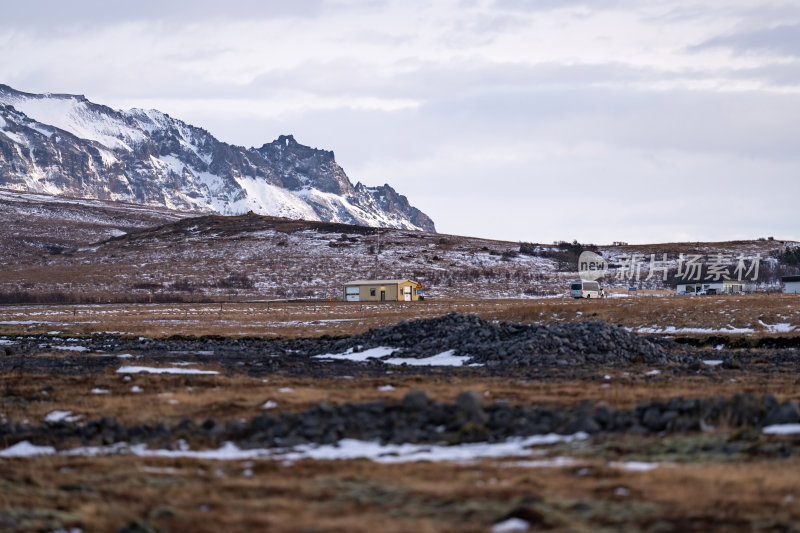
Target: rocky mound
[493,343]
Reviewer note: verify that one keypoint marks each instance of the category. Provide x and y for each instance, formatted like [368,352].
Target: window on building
[372,292]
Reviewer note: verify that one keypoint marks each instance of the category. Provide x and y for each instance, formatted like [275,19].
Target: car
[586,289]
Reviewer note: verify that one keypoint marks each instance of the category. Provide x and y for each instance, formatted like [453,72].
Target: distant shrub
[790,256]
[183,285]
[146,286]
[235,281]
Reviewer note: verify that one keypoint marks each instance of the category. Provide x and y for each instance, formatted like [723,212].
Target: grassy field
[759,315]
[619,482]
[355,496]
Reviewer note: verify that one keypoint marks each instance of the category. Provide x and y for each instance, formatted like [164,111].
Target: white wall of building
[791,286]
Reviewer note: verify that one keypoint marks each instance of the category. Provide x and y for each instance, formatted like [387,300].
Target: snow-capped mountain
[64,144]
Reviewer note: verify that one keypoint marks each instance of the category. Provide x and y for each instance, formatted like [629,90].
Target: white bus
[586,289]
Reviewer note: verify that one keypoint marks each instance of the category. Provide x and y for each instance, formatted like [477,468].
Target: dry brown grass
[286,319]
[231,397]
[101,494]
[716,313]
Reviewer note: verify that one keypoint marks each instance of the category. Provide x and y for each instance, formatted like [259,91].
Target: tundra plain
[170,374]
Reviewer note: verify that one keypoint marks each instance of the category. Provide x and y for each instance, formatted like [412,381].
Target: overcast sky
[640,121]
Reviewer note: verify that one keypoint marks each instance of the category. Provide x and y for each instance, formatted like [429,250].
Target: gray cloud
[49,15]
[547,5]
[783,40]
[508,111]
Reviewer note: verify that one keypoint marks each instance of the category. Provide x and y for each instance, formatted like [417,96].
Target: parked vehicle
[586,289]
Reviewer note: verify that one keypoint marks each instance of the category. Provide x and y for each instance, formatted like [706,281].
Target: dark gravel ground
[566,350]
[419,419]
[500,349]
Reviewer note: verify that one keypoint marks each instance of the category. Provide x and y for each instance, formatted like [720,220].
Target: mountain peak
[87,150]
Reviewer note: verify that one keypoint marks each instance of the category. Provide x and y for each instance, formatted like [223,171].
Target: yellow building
[382,290]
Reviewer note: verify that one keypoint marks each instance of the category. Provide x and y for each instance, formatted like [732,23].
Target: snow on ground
[783,327]
[166,370]
[512,524]
[69,348]
[442,359]
[636,466]
[782,429]
[669,330]
[350,355]
[26,449]
[61,416]
[343,450]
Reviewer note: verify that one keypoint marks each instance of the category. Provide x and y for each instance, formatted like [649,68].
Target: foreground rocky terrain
[448,423]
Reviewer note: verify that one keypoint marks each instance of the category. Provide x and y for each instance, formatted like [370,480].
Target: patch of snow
[58,416]
[385,388]
[652,373]
[98,390]
[26,449]
[443,359]
[782,429]
[637,466]
[136,388]
[712,362]
[267,199]
[70,348]
[167,370]
[669,330]
[512,524]
[349,355]
[783,327]
[75,116]
[269,404]
[342,450]
[400,453]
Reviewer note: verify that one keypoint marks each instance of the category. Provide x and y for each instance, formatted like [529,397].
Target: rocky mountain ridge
[63,144]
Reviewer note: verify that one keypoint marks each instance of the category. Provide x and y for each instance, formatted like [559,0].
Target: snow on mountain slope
[66,145]
[78,116]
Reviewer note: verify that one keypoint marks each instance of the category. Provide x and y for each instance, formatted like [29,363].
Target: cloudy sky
[535,120]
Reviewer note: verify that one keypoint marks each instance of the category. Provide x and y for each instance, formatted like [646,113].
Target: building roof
[789,279]
[379,281]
